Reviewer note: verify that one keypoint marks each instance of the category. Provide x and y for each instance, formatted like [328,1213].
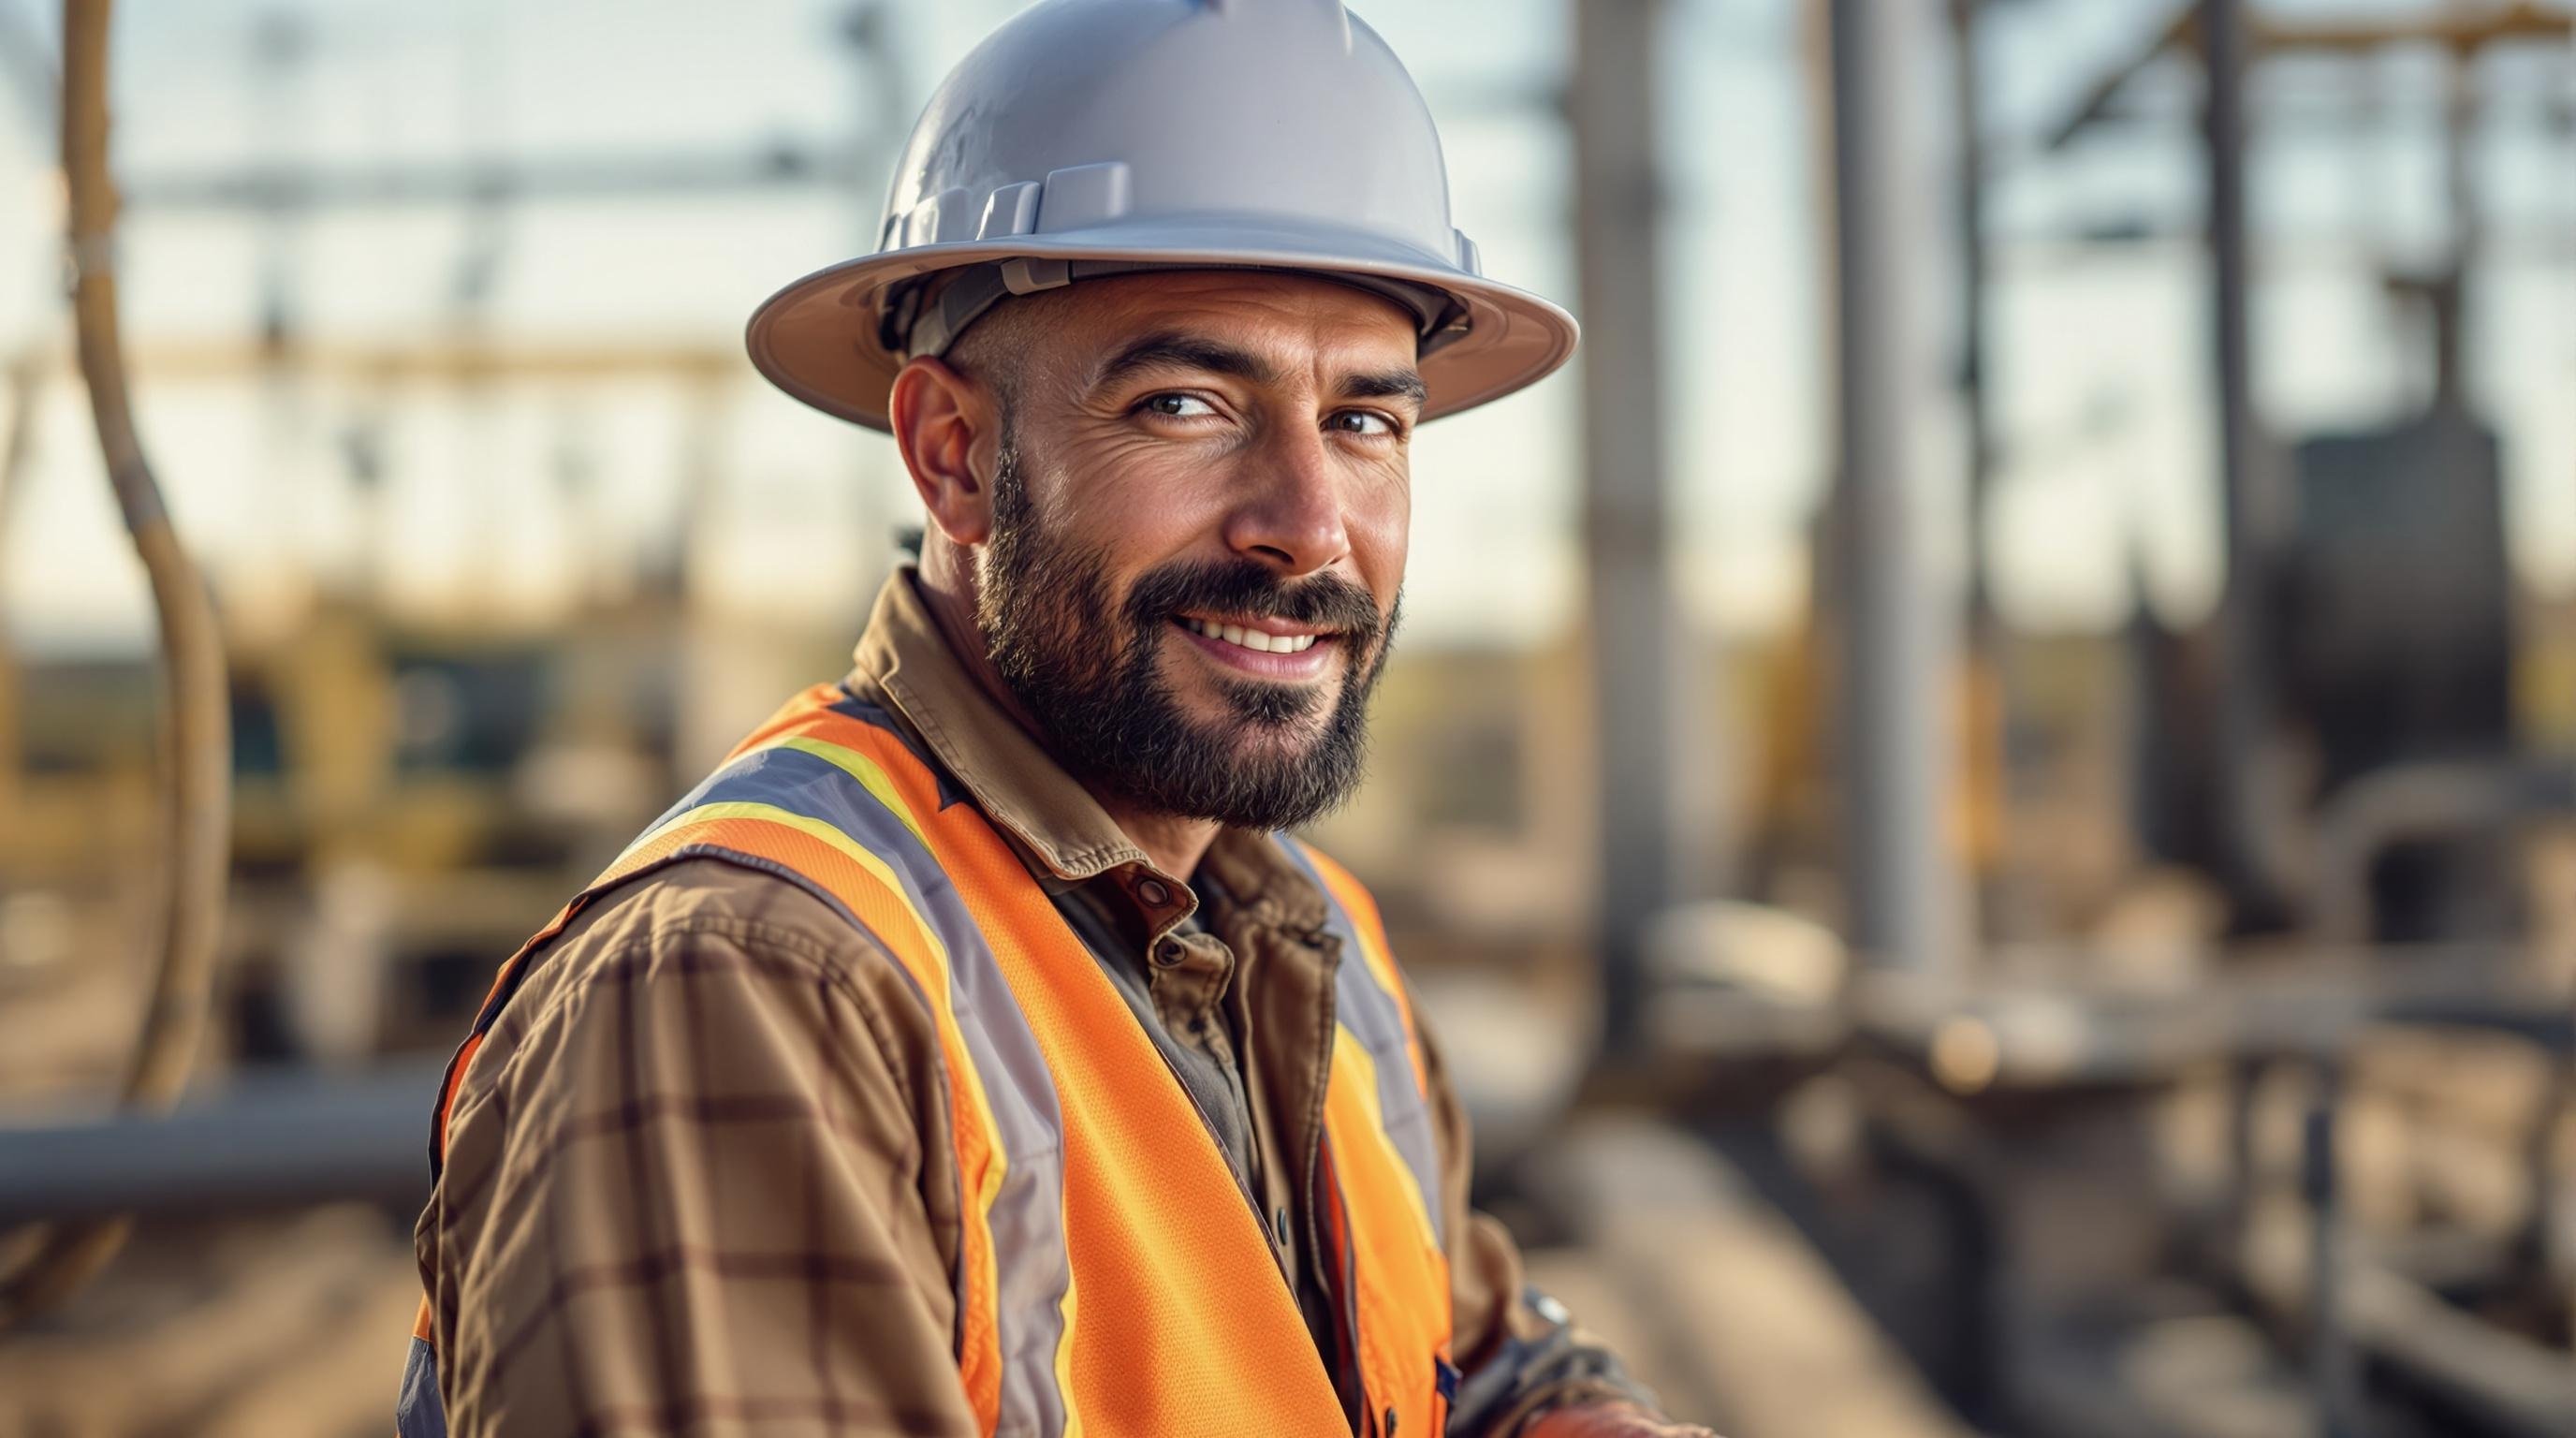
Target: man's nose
[1291,513]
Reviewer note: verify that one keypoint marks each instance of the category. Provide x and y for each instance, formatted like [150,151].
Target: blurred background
[1984,795]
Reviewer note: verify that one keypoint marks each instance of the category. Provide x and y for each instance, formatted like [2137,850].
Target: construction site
[1982,796]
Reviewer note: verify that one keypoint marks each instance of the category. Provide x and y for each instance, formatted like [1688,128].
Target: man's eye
[1179,406]
[1361,421]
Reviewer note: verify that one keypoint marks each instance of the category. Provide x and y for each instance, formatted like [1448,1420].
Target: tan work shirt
[699,1176]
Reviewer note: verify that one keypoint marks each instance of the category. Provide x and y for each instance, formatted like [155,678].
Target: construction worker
[973,1052]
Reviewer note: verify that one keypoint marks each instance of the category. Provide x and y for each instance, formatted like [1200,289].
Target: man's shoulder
[743,959]
[706,914]
[704,893]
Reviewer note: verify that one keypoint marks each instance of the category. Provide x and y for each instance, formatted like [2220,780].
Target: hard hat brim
[816,339]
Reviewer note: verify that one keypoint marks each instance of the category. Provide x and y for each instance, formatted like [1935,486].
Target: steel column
[1894,710]
[1634,636]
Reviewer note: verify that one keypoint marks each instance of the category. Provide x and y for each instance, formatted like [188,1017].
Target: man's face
[1198,541]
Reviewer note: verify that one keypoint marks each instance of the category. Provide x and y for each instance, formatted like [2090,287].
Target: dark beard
[1091,677]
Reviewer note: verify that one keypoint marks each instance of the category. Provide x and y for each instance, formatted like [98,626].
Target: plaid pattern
[699,1177]
[670,1185]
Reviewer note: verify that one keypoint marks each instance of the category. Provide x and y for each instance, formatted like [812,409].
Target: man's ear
[945,425]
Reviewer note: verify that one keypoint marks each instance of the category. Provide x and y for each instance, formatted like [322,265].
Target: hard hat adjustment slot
[1027,276]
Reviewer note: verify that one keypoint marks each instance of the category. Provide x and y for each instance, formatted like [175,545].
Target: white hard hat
[1093,137]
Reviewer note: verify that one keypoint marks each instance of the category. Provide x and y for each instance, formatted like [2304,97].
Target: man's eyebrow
[1180,351]
[1177,351]
[1386,384]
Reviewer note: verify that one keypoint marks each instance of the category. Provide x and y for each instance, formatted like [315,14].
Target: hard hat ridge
[1093,137]
[1340,12]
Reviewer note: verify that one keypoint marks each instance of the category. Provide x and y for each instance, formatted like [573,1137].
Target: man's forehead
[1289,316]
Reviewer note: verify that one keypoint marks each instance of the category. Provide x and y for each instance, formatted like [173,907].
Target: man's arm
[688,1193]
[1530,1372]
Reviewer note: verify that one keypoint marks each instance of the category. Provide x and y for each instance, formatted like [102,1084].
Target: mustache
[1324,600]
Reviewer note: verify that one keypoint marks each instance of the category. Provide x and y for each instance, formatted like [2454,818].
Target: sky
[507,501]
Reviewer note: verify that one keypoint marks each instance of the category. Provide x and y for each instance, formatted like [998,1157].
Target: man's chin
[1213,763]
[1268,711]
[1260,740]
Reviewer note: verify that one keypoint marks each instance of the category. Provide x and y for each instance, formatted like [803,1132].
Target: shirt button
[1153,893]
[1168,953]
[1279,1221]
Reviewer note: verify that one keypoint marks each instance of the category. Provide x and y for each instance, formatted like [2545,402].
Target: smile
[1273,649]
[1259,641]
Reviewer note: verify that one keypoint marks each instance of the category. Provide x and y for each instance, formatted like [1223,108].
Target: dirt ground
[285,1327]
[287,1324]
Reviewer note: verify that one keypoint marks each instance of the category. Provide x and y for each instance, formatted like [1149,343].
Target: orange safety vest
[1112,1276]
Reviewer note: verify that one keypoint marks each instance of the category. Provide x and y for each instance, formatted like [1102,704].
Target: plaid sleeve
[687,1194]
[1520,1352]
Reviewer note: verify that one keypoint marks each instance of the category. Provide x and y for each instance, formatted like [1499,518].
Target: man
[973,1053]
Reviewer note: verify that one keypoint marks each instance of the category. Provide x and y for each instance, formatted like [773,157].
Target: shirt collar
[1019,786]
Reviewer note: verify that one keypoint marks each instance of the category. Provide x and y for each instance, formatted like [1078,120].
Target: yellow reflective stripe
[1362,1077]
[1361,910]
[871,776]
[860,767]
[858,853]
[1064,1348]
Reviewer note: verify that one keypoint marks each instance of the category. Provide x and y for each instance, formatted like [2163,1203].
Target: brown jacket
[699,1178]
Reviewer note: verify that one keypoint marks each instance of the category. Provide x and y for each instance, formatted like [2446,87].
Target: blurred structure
[1916,1013]
[191,861]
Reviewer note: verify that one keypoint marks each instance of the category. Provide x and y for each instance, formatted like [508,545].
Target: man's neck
[945,578]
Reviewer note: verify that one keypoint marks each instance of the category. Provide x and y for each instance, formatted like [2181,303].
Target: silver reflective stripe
[1371,1013]
[417,1410]
[1032,1264]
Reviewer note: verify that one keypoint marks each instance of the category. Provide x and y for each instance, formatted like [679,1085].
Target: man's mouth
[1261,636]
[1261,647]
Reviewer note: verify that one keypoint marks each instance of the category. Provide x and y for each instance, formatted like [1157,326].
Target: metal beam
[2462,31]
[786,166]
[1619,203]
[265,1144]
[1894,709]
[2250,829]
[1987,710]
[435,360]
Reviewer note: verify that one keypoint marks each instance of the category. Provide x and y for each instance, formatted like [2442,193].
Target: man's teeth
[1254,639]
